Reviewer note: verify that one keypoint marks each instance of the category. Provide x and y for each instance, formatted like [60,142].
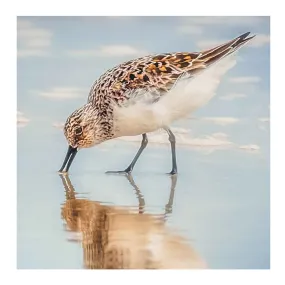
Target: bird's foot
[127,171]
[172,172]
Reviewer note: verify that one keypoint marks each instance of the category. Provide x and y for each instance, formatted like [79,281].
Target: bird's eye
[78,130]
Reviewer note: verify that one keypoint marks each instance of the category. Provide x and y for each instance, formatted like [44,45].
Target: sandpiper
[137,97]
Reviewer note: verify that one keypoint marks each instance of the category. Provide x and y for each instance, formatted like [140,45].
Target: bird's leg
[129,169]
[171,138]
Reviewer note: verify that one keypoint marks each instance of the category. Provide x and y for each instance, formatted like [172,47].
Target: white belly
[137,120]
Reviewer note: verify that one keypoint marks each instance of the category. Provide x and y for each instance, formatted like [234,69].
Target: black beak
[71,152]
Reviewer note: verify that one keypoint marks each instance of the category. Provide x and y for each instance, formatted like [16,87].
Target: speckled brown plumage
[155,73]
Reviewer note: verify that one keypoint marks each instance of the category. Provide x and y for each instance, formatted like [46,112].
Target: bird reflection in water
[116,237]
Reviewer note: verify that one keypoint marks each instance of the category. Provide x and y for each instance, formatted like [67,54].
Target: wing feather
[157,74]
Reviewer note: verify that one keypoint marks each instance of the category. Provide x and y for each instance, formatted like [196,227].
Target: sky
[223,148]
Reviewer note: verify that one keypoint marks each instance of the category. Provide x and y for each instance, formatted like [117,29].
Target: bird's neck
[105,123]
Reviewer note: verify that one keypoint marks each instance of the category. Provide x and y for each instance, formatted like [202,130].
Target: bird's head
[82,130]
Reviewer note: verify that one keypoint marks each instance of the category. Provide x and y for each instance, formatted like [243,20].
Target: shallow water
[218,203]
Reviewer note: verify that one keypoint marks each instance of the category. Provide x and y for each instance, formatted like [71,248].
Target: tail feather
[210,56]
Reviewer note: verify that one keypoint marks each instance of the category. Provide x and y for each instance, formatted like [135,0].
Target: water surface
[219,203]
